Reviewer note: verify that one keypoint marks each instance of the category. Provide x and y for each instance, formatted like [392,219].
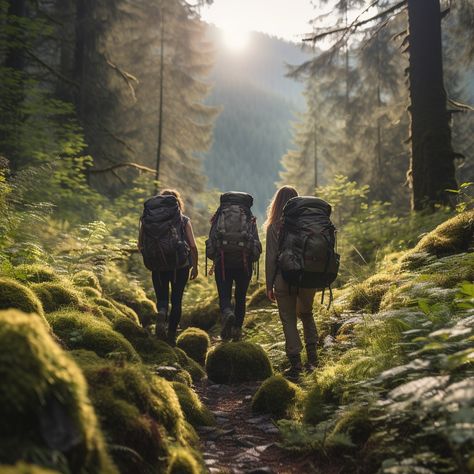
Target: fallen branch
[125,164]
[127,77]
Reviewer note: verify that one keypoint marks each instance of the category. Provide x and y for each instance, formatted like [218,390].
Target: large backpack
[164,246]
[233,238]
[307,256]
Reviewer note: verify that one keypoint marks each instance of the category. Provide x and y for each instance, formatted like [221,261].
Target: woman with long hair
[292,303]
[168,321]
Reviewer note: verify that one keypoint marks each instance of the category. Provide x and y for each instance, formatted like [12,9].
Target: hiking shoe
[160,328]
[294,372]
[236,333]
[312,357]
[171,337]
[228,319]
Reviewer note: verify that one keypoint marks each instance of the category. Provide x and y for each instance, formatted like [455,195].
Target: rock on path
[241,442]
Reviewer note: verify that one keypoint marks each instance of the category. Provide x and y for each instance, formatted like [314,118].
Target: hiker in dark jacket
[291,304]
[234,246]
[167,322]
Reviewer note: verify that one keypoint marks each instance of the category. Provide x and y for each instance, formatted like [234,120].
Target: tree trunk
[160,113]
[432,157]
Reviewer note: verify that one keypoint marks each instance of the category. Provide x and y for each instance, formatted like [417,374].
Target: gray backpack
[307,256]
[233,238]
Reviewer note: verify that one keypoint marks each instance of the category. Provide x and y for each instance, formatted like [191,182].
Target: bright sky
[286,19]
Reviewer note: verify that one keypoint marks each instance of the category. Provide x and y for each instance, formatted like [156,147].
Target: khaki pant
[298,303]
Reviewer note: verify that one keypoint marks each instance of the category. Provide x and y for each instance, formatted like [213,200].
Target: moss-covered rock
[183,462]
[356,423]
[258,298]
[56,295]
[195,342]
[86,278]
[237,362]
[83,331]
[139,411]
[367,296]
[128,312]
[195,370]
[44,405]
[22,468]
[204,315]
[35,273]
[195,412]
[90,292]
[17,296]
[453,236]
[276,396]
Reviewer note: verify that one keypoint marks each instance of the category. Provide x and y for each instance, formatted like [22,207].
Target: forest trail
[242,442]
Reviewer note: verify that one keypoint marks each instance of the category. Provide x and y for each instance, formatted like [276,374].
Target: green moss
[83,331]
[195,370]
[139,412]
[276,396]
[195,342]
[203,316]
[86,278]
[35,273]
[356,423]
[90,292]
[453,236]
[128,312]
[195,412]
[258,298]
[183,462]
[237,362]
[56,295]
[41,383]
[367,296]
[136,299]
[17,296]
[22,468]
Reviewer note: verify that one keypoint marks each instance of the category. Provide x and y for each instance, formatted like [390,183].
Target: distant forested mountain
[258,104]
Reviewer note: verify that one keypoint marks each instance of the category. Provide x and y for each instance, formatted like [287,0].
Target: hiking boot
[228,319]
[236,333]
[294,372]
[171,337]
[160,328]
[312,357]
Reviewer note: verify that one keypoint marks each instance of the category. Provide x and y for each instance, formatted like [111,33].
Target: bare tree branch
[127,77]
[125,164]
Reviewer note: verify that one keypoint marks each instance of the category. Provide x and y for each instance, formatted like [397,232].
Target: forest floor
[242,442]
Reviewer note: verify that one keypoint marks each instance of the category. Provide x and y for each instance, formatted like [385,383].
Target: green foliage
[22,468]
[83,331]
[195,412]
[39,382]
[276,396]
[54,295]
[182,462]
[237,362]
[195,342]
[16,295]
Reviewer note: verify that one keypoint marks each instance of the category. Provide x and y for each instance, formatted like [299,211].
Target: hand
[194,273]
[271,295]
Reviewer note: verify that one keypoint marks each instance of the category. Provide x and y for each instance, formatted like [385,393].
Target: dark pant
[161,283]
[241,278]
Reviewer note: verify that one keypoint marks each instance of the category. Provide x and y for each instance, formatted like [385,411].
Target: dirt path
[243,442]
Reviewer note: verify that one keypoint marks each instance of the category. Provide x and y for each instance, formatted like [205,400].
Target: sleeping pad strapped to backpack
[307,256]
[233,238]
[164,246]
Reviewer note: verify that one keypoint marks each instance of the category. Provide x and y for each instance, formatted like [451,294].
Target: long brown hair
[173,192]
[275,208]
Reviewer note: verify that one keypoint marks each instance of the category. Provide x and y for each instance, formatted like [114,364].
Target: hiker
[169,250]
[234,247]
[292,224]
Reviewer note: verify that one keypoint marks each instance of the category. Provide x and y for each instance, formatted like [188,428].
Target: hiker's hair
[173,192]
[275,208]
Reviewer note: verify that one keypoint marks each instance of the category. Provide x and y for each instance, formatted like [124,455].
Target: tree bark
[432,158]
[160,113]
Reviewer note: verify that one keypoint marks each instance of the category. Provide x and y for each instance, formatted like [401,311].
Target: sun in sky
[236,39]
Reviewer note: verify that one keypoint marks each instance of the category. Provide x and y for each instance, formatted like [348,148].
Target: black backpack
[233,238]
[307,256]
[164,245]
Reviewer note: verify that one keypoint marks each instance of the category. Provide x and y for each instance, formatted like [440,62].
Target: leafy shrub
[276,396]
[237,362]
[15,295]
[195,342]
[40,383]
[86,278]
[82,331]
[54,295]
[195,412]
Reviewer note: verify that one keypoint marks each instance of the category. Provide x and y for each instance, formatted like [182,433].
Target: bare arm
[194,250]
[140,236]
[271,256]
